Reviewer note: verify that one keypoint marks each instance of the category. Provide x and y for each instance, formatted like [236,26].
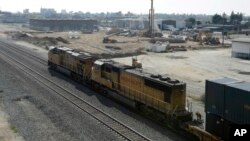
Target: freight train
[161,95]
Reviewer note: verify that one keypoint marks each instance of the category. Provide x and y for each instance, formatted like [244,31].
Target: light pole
[223,32]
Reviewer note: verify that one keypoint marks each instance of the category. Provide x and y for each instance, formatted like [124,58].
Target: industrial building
[62,24]
[166,24]
[132,23]
[241,48]
[170,24]
[7,17]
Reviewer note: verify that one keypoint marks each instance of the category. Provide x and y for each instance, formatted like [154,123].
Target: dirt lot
[92,43]
[194,67]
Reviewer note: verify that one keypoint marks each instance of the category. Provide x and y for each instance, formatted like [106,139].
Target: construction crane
[151,19]
[152,32]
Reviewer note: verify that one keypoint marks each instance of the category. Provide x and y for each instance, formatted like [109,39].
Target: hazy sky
[135,6]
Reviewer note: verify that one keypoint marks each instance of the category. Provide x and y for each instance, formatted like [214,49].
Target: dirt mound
[44,41]
[60,39]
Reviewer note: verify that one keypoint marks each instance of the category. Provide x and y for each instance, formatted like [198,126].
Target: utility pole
[151,19]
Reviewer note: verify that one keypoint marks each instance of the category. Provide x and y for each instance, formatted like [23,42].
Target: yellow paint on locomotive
[178,99]
[54,58]
[64,57]
[101,77]
[133,87]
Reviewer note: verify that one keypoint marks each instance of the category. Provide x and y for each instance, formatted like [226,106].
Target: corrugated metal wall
[241,47]
[229,99]
[237,103]
[215,95]
[241,50]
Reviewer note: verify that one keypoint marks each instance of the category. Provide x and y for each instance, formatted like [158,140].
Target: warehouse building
[132,23]
[7,17]
[241,48]
[62,24]
[170,24]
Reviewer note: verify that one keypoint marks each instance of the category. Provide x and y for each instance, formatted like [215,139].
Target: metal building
[132,23]
[241,48]
[62,24]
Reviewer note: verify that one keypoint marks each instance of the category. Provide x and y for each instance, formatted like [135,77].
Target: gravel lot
[38,114]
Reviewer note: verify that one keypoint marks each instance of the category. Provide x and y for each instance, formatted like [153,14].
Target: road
[39,114]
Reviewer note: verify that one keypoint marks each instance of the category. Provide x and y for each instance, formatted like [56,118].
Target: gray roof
[245,86]
[243,40]
[80,56]
[65,48]
[113,63]
[148,76]
[224,80]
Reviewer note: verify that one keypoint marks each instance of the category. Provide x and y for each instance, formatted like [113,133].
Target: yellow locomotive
[158,92]
[131,85]
[79,64]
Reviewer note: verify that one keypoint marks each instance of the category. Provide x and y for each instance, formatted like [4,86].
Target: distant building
[216,27]
[63,11]
[180,24]
[170,24]
[62,24]
[166,24]
[132,23]
[26,11]
[7,17]
[48,12]
[241,48]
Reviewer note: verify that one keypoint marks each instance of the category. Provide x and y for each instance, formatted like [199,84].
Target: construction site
[162,47]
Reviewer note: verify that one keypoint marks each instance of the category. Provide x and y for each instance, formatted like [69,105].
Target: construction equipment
[152,32]
[205,37]
[106,38]
[136,63]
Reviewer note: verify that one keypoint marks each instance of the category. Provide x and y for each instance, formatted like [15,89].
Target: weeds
[13,128]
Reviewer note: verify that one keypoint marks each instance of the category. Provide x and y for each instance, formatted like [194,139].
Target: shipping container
[237,102]
[214,95]
[214,125]
[218,126]
[227,126]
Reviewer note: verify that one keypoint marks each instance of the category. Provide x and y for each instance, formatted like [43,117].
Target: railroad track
[105,119]
[26,53]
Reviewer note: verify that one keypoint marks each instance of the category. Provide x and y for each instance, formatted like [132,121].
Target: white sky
[135,6]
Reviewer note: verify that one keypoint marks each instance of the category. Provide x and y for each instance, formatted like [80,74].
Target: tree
[217,19]
[198,22]
[236,18]
[246,25]
[190,22]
